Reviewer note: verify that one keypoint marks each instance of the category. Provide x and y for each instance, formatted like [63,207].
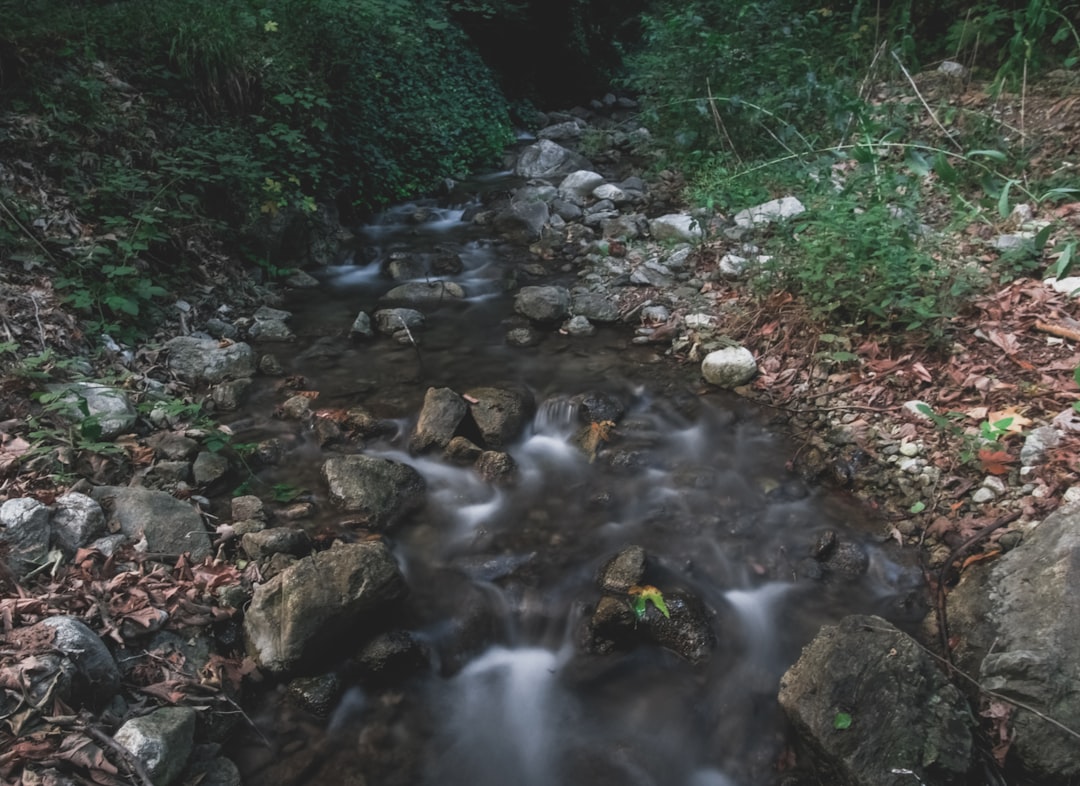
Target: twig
[26,231]
[1058,330]
[719,121]
[923,100]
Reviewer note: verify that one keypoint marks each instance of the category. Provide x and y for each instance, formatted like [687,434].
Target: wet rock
[169,525]
[389,321]
[568,129]
[522,221]
[500,413]
[842,558]
[317,694]
[212,771]
[1016,625]
[578,326]
[318,601]
[403,267]
[729,367]
[546,159]
[612,627]
[230,394]
[440,416]
[462,451]
[361,326]
[382,491]
[596,407]
[623,571]
[26,530]
[496,467]
[296,407]
[522,337]
[768,212]
[686,632]
[197,360]
[675,226]
[905,716]
[276,540]
[77,521]
[393,656]
[423,294]
[103,411]
[270,365]
[543,303]
[161,740]
[270,325]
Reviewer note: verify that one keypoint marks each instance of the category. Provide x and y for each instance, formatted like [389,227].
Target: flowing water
[503,578]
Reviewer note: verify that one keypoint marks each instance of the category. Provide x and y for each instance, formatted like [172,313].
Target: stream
[503,578]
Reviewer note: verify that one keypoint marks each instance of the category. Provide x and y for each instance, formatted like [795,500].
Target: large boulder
[320,600]
[500,413]
[208,360]
[1017,625]
[380,490]
[168,525]
[547,159]
[439,419]
[874,708]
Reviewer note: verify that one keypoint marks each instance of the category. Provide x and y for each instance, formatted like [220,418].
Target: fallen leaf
[995,461]
[1015,426]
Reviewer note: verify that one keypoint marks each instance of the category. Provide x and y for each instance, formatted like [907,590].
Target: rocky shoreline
[601,246]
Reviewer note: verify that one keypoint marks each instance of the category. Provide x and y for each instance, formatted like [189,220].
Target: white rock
[729,367]
[676,226]
[766,213]
[580,183]
[1065,285]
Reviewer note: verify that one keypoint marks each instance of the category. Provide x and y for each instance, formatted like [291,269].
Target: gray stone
[276,540]
[380,490]
[686,632]
[390,320]
[91,403]
[1017,626]
[611,192]
[317,694]
[523,221]
[320,600]
[594,306]
[217,771]
[462,451]
[161,740]
[439,419]
[566,210]
[393,656]
[500,413]
[546,159]
[523,337]
[578,326]
[729,367]
[271,329]
[679,227]
[623,571]
[952,69]
[97,676]
[768,212]
[205,360]
[580,184]
[174,447]
[229,395]
[875,708]
[496,466]
[423,294]
[403,267]
[569,129]
[620,227]
[26,528]
[543,303]
[77,521]
[302,280]
[208,468]
[1037,444]
[169,525]
[361,326]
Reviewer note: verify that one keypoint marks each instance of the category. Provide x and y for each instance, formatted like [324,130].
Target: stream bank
[659,289]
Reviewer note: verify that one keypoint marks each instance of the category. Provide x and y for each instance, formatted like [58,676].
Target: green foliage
[842,721]
[645,595]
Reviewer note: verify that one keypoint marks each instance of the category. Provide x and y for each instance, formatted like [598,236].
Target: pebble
[909,449]
[983,495]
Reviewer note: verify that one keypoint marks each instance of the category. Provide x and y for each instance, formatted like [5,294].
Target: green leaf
[842,721]
[1042,237]
[1064,262]
[645,595]
[917,163]
[1003,199]
[918,507]
[944,169]
[996,155]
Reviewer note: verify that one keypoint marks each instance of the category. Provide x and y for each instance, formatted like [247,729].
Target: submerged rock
[875,709]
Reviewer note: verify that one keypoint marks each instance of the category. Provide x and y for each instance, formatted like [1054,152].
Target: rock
[596,407]
[247,507]
[1037,444]
[423,294]
[393,656]
[26,529]
[611,627]
[768,212]
[229,395]
[579,184]
[952,69]
[161,741]
[270,325]
[578,326]
[569,129]
[522,337]
[543,303]
[169,525]
[462,451]
[320,600]
[216,771]
[204,360]
[296,407]
[621,227]
[612,193]
[522,222]
[497,467]
[276,540]
[390,320]
[905,716]
[546,159]
[440,417]
[382,491]
[1016,623]
[686,632]
[96,678]
[174,447]
[301,280]
[623,571]
[675,226]
[102,411]
[208,468]
[500,413]
[361,326]
[594,306]
[316,695]
[77,521]
[729,367]
[402,267]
